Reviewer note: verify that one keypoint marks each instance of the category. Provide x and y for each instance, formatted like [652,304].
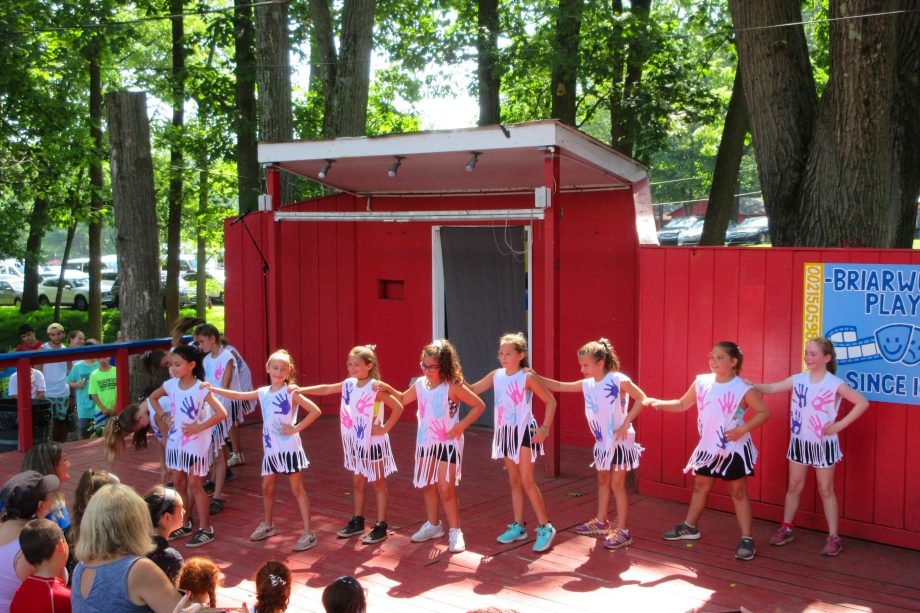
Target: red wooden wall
[328,295]
[691,298]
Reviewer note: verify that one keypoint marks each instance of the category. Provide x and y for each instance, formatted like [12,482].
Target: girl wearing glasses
[439,443]
[368,455]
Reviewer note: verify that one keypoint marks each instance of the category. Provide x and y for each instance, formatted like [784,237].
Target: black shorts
[376,453]
[445,454]
[525,442]
[734,471]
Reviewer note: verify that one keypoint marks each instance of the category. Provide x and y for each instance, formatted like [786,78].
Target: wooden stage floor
[576,575]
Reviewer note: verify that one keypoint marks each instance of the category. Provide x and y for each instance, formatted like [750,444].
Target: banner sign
[871,312]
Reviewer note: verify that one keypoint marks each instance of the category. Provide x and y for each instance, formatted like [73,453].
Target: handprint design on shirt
[613,392]
[422,407]
[439,431]
[702,398]
[365,404]
[188,408]
[796,422]
[219,372]
[596,430]
[347,389]
[360,428]
[515,393]
[727,403]
[816,426]
[800,391]
[346,419]
[591,403]
[723,441]
[821,400]
[266,438]
[283,403]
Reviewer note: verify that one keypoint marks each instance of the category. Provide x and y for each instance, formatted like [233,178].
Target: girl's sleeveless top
[605,410]
[718,411]
[513,415]
[282,453]
[109,591]
[813,406]
[436,416]
[214,369]
[183,452]
[359,410]
[243,378]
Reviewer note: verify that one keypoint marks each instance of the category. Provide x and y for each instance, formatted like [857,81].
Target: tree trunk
[353,70]
[848,176]
[247,161]
[728,163]
[38,220]
[488,73]
[96,205]
[68,243]
[325,68]
[134,202]
[274,79]
[201,296]
[619,126]
[780,92]
[565,60]
[627,61]
[906,131]
[176,182]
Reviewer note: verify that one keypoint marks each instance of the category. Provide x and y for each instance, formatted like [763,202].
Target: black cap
[22,493]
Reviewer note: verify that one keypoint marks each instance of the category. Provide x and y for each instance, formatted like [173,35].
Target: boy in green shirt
[78,380]
[103,391]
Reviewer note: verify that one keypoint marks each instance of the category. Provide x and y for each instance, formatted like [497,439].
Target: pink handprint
[702,399]
[422,407]
[814,422]
[219,372]
[439,431]
[516,393]
[824,398]
[346,419]
[365,402]
[501,415]
[727,403]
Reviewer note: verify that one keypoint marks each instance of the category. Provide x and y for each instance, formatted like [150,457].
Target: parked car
[753,230]
[186,294]
[75,293]
[9,295]
[692,235]
[667,235]
[215,286]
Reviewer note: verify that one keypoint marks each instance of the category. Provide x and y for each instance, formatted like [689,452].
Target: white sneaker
[455,543]
[235,459]
[427,532]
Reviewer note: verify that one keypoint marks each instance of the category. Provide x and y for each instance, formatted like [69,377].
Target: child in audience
[200,577]
[44,547]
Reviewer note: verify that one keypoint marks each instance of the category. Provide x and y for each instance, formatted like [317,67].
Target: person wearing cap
[24,497]
[56,389]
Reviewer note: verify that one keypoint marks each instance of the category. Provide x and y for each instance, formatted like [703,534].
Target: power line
[700,199]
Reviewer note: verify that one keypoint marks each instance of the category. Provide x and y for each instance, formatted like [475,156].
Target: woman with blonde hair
[113,573]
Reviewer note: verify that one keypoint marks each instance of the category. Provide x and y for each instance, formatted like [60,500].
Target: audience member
[78,380]
[29,342]
[56,389]
[345,595]
[44,547]
[200,577]
[273,588]
[37,382]
[166,513]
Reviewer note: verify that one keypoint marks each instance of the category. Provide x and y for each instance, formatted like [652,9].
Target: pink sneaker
[617,539]
[782,536]
[833,546]
[593,528]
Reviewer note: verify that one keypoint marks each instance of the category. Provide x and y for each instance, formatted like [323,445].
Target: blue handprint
[360,427]
[596,430]
[723,442]
[613,392]
[347,389]
[438,404]
[282,402]
[610,429]
[188,407]
[591,404]
[796,422]
[266,438]
[801,394]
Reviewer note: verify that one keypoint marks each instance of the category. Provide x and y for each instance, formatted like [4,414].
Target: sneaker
[377,534]
[455,542]
[209,487]
[183,530]
[745,549]
[216,506]
[782,536]
[230,476]
[427,532]
[617,539]
[593,528]
[355,526]
[235,459]
[201,537]
[306,541]
[833,546]
[682,532]
[262,532]
[515,532]
[545,534]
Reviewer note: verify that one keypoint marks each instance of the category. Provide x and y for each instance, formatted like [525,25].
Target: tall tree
[176,169]
[832,170]
[94,320]
[628,57]
[273,75]
[565,60]
[247,161]
[487,71]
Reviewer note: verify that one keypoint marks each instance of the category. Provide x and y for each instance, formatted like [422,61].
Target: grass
[11,319]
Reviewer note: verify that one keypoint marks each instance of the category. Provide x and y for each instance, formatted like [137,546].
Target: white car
[75,293]
[9,295]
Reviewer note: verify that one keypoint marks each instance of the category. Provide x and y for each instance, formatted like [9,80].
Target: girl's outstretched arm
[860,404]
[636,392]
[557,386]
[461,392]
[774,388]
[754,401]
[318,390]
[549,401]
[403,398]
[483,384]
[674,406]
[396,409]
[231,394]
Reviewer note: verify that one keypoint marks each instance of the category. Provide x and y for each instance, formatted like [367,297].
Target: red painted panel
[651,341]
[673,353]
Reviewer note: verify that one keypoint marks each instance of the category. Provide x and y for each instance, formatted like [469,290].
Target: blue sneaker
[515,532]
[545,534]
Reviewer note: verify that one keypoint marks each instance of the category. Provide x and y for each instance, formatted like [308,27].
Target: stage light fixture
[325,171]
[394,167]
[471,165]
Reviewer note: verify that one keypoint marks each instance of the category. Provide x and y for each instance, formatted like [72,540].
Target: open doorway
[481,281]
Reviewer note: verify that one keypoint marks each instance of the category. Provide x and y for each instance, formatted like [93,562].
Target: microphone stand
[264,278]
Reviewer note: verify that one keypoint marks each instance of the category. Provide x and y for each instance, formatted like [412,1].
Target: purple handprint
[266,438]
[346,418]
[188,407]
[801,394]
[346,392]
[364,403]
[596,430]
[727,403]
[816,426]
[360,427]
[723,442]
[515,392]
[613,392]
[282,402]
[824,398]
[796,422]
[591,403]
[439,431]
